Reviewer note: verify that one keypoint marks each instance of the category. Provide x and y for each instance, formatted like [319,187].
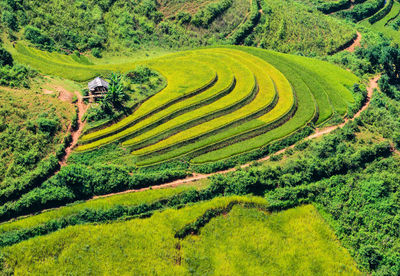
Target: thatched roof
[97,82]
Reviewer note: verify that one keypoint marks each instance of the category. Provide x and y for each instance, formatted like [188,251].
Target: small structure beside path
[98,88]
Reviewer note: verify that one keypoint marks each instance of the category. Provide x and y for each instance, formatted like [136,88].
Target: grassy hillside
[32,128]
[148,24]
[151,246]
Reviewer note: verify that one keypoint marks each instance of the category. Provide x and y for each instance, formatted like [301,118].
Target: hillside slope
[125,25]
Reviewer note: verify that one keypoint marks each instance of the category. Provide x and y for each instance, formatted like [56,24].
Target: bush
[40,40]
[10,20]
[5,58]
[141,74]
[382,13]
[334,6]
[204,17]
[361,11]
[96,52]
[47,125]
[246,28]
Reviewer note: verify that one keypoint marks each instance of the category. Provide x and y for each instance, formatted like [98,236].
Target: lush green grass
[148,246]
[249,242]
[54,63]
[383,24]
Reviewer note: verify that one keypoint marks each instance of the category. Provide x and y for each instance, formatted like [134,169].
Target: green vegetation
[209,107]
[285,239]
[168,128]
[89,26]
[310,228]
[385,24]
[363,10]
[32,127]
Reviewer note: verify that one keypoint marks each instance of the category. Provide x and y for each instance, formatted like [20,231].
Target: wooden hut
[97,88]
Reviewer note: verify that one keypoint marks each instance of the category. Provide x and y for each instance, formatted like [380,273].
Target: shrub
[334,6]
[205,16]
[39,39]
[5,58]
[96,52]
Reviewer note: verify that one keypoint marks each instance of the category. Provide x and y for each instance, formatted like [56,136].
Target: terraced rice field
[224,101]
[384,26]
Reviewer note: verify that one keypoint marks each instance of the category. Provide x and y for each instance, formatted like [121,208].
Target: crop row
[269,80]
[181,85]
[243,99]
[227,82]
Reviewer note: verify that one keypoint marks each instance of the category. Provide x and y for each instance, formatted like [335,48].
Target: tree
[116,95]
[390,60]
[10,20]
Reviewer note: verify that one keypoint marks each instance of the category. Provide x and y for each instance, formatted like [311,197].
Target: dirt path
[373,84]
[356,43]
[75,133]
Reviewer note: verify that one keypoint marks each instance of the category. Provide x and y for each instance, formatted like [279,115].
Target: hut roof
[97,82]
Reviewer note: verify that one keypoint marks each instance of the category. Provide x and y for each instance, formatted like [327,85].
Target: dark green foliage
[206,15]
[361,11]
[360,96]
[382,13]
[10,20]
[323,162]
[40,40]
[15,187]
[141,75]
[16,76]
[334,6]
[77,182]
[75,119]
[5,58]
[48,125]
[96,52]
[116,94]
[183,17]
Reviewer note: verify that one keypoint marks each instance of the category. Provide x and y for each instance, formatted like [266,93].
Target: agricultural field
[208,137]
[246,95]
[100,249]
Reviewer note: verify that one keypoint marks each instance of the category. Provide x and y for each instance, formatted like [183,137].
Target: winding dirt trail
[75,133]
[356,43]
[373,84]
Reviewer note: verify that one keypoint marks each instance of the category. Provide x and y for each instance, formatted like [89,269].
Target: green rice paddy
[219,102]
